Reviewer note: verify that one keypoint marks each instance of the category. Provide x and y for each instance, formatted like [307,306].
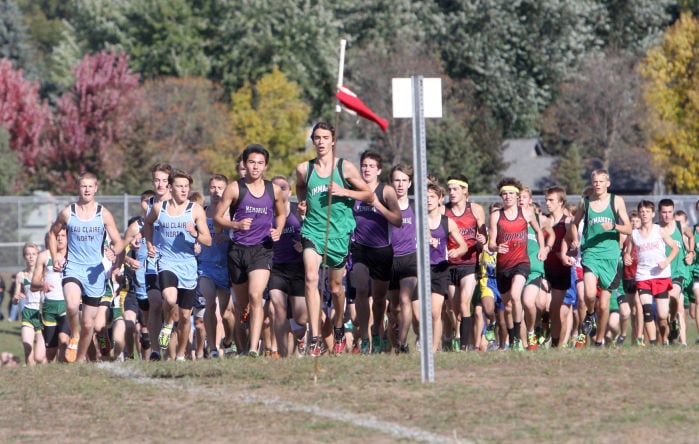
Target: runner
[470,219]
[372,252]
[313,188]
[604,217]
[32,339]
[87,224]
[257,215]
[181,224]
[508,236]
[653,273]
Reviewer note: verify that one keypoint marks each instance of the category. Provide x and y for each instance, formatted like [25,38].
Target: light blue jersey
[176,246]
[84,258]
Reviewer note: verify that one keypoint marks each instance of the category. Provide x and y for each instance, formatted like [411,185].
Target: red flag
[351,101]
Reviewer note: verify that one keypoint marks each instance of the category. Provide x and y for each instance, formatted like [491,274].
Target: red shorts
[655,286]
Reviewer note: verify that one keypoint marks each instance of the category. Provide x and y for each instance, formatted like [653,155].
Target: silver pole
[424,290]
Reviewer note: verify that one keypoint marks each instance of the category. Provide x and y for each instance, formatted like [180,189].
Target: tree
[13,36]
[9,165]
[600,109]
[568,170]
[24,116]
[181,120]
[634,26]
[671,93]
[271,113]
[91,121]
[515,52]
[465,140]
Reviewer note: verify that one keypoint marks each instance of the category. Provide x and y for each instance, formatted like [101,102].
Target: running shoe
[268,353]
[674,330]
[364,348]
[105,345]
[620,341]
[275,354]
[179,359]
[403,348]
[253,354]
[314,347]
[456,344]
[532,342]
[164,337]
[145,341]
[641,343]
[490,332]
[589,326]
[72,350]
[376,344]
[154,356]
[213,354]
[517,345]
[580,340]
[339,346]
[301,346]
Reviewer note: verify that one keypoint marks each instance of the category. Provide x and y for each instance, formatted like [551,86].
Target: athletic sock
[465,329]
[511,334]
[554,342]
[517,329]
[339,333]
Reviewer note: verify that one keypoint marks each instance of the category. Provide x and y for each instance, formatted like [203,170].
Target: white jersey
[651,251]
[55,281]
[32,299]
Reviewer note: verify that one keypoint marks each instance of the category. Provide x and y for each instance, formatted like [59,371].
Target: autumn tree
[181,119]
[671,90]
[13,35]
[269,112]
[568,170]
[91,122]
[25,117]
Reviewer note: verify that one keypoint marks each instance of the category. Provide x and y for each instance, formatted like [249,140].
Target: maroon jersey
[468,227]
[553,263]
[630,270]
[514,234]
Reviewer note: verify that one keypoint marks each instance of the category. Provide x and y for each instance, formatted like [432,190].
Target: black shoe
[154,356]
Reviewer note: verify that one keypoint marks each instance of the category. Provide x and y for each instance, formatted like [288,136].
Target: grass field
[620,395]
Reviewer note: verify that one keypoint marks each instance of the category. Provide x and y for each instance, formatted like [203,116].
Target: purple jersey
[259,209]
[404,238]
[438,254]
[373,230]
[283,250]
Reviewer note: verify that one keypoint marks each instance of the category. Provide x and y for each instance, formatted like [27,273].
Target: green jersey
[678,266]
[341,217]
[598,243]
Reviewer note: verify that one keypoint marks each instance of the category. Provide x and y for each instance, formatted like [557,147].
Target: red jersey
[553,264]
[514,234]
[629,273]
[468,227]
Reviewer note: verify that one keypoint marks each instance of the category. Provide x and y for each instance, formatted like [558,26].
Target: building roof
[528,163]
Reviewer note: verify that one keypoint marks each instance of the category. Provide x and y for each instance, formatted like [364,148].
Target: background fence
[28,218]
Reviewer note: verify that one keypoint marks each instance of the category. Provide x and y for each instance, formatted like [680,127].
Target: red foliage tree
[93,121]
[26,118]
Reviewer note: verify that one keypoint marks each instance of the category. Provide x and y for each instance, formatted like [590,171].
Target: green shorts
[52,311]
[338,249]
[31,318]
[607,271]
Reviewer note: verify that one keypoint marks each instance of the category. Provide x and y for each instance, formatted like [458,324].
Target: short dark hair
[371,154]
[179,174]
[646,204]
[666,203]
[325,126]
[255,148]
[220,177]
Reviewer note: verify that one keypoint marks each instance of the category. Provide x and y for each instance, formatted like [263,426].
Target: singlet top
[85,238]
[651,251]
[373,229]
[536,265]
[151,262]
[438,254]
[259,209]
[468,227]
[404,237]
[54,279]
[342,221]
[553,264]
[283,251]
[32,299]
[514,234]
[217,254]
[596,241]
[679,268]
[629,272]
[176,247]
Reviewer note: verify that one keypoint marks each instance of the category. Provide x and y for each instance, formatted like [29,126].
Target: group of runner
[337,272]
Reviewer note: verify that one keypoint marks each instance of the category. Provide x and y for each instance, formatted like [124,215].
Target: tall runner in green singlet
[313,188]
[605,217]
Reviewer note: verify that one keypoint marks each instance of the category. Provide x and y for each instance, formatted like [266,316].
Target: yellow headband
[509,188]
[457,182]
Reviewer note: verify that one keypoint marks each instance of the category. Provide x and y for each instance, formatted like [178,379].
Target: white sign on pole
[403,98]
